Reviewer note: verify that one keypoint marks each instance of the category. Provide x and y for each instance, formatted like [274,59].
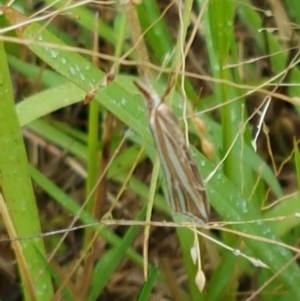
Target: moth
[186,193]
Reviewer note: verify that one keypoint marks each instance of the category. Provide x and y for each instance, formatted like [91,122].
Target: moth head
[153,100]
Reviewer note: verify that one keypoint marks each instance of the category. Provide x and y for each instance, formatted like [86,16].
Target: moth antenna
[143,88]
[171,84]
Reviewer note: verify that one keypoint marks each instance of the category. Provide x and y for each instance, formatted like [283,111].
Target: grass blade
[16,188]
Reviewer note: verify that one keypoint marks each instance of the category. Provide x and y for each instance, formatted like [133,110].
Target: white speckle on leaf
[72,70]
[54,53]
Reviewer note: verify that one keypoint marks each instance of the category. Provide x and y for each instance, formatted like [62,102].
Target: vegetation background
[76,149]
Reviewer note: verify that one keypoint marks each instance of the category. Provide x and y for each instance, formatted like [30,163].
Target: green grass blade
[111,260]
[148,285]
[297,162]
[151,22]
[16,187]
[221,14]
